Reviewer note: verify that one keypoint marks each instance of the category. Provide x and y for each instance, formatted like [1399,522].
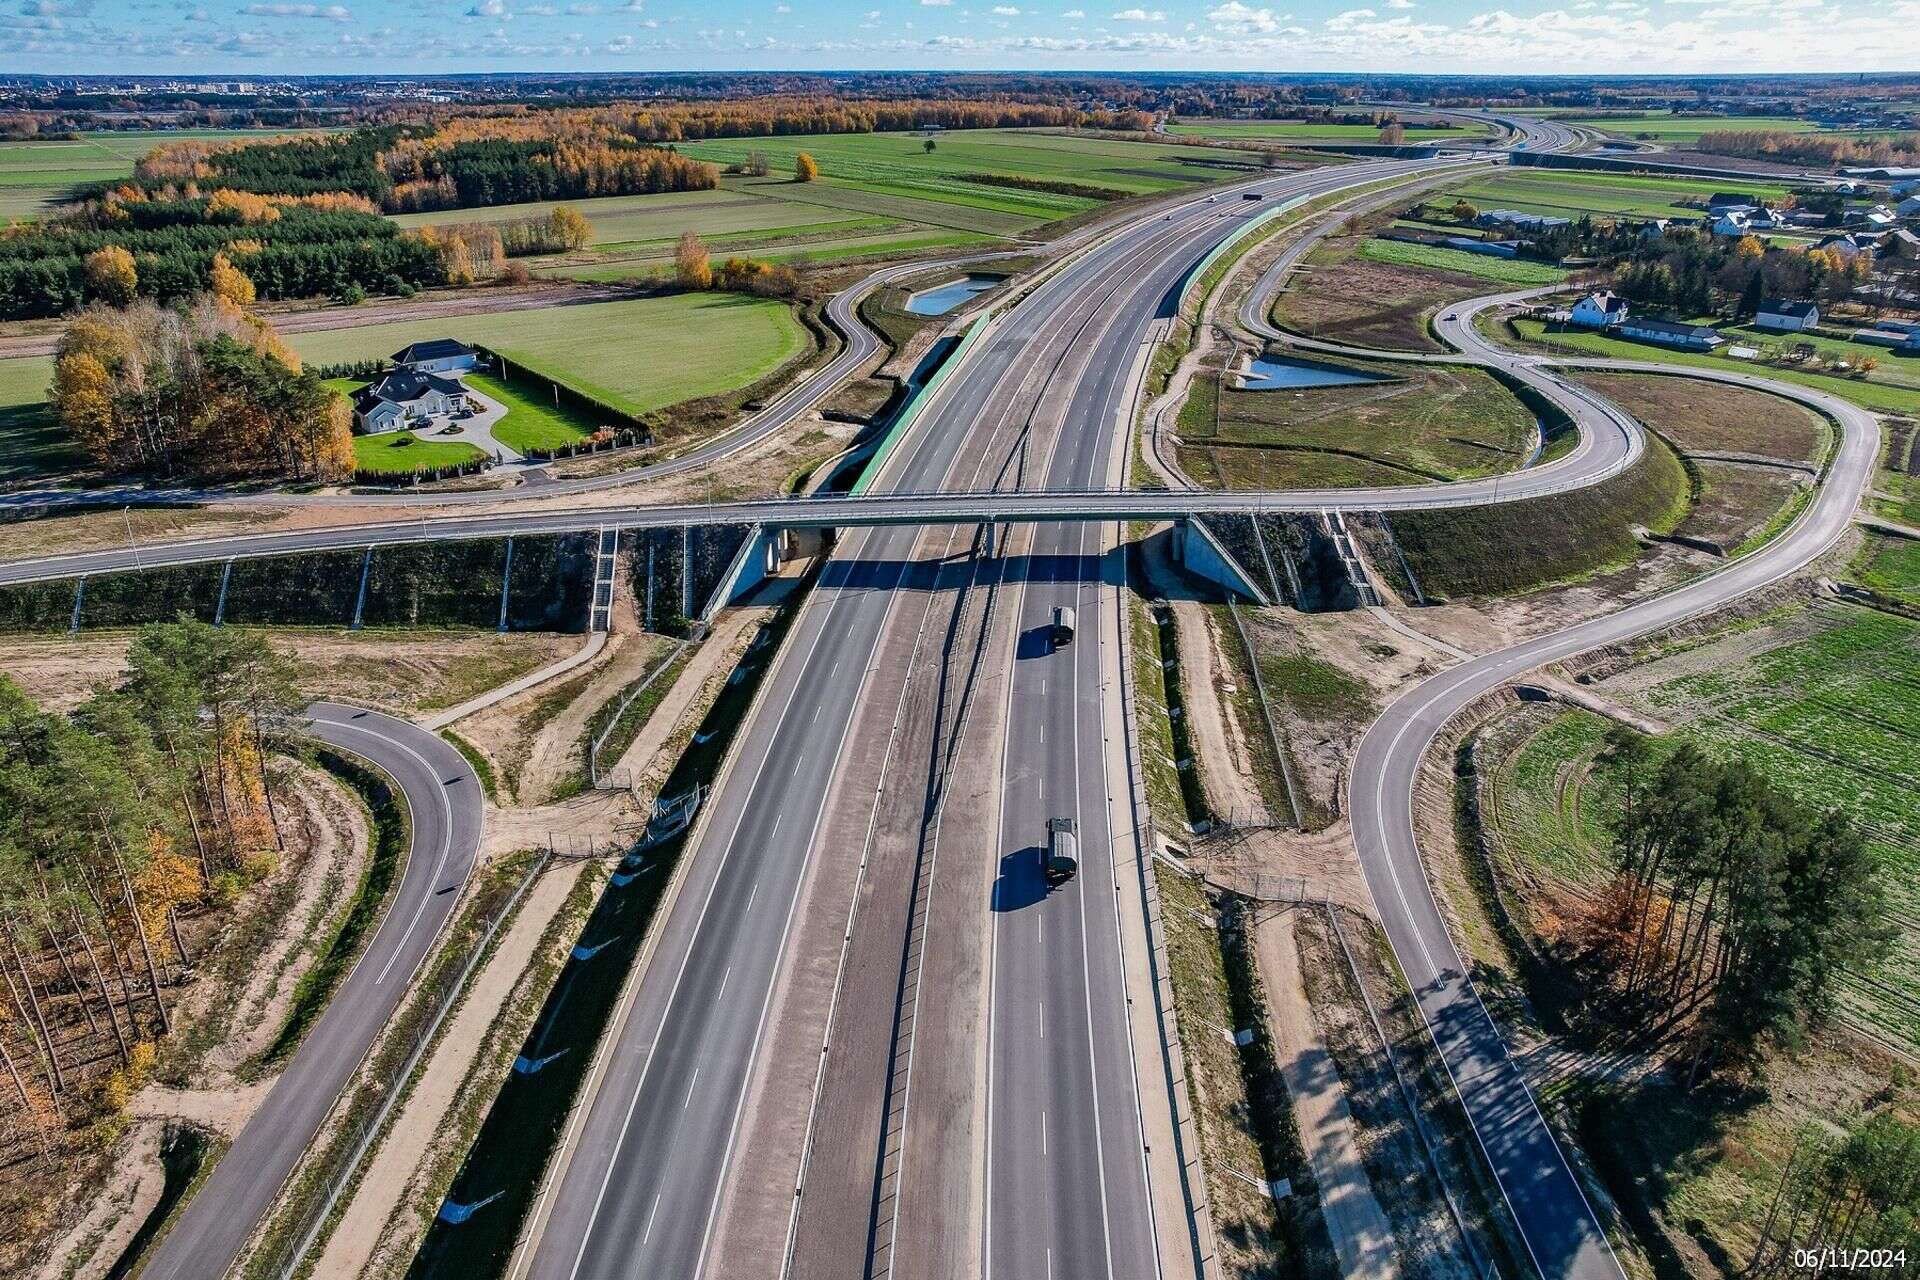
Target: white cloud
[932,3]
[1006,11]
[1399,4]
[1134,15]
[1074,14]
[487,9]
[1234,16]
[328,13]
[783,8]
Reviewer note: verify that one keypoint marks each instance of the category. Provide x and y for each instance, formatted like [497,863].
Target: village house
[441,355]
[406,398]
[1783,316]
[1672,333]
[1599,310]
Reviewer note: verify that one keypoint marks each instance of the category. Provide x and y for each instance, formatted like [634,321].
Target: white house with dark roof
[406,398]
[1784,316]
[1600,310]
[440,355]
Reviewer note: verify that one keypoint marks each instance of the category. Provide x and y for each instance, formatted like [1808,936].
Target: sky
[267,37]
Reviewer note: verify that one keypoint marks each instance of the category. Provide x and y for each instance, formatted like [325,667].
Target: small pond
[1268,374]
[944,298]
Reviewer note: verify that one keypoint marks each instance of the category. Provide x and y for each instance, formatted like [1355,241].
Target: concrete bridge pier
[1202,555]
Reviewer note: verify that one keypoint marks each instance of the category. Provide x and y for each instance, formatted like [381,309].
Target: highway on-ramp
[1556,1222]
[444,804]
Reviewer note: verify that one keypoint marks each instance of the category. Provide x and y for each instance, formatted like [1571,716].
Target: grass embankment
[1870,391]
[1344,296]
[1740,505]
[1521,546]
[1239,1100]
[1413,427]
[1518,272]
[622,724]
[523,1124]
[392,828]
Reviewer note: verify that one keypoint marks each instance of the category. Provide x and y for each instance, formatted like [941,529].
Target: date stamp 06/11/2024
[1829,1258]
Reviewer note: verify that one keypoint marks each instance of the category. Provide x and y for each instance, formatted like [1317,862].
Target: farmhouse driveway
[476,430]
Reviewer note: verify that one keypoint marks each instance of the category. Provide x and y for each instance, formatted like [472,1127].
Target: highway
[445,804]
[653,1147]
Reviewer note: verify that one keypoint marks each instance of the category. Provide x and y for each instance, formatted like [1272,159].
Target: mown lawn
[1513,271]
[402,452]
[637,355]
[1666,127]
[33,447]
[532,423]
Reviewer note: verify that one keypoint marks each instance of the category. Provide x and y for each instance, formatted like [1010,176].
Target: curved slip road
[444,802]
[1557,1224]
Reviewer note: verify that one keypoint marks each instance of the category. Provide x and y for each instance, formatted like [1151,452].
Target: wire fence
[286,1247]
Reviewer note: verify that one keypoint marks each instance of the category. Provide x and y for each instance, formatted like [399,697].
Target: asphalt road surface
[1557,1223]
[638,1195]
[444,800]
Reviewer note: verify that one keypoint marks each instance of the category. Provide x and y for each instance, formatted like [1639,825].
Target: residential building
[1908,208]
[1672,333]
[1784,316]
[441,355]
[1730,200]
[1528,221]
[405,398]
[1599,310]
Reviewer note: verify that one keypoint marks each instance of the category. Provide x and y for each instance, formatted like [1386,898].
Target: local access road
[444,806]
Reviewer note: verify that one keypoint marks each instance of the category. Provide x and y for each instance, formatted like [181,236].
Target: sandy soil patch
[134,1183]
[400,671]
[374,1233]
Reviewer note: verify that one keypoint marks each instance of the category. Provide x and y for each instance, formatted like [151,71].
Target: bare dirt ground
[1699,416]
[1362,1237]
[399,671]
[87,1249]
[693,691]
[375,1235]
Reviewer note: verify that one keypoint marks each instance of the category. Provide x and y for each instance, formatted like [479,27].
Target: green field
[1312,131]
[1415,426]
[1823,703]
[1568,193]
[1891,566]
[637,355]
[1669,128]
[879,195]
[32,445]
[1514,271]
[1871,392]
[35,175]
[531,423]
[402,452]
[894,176]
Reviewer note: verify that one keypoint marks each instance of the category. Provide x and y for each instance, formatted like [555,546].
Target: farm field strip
[1832,718]
[1312,131]
[1515,271]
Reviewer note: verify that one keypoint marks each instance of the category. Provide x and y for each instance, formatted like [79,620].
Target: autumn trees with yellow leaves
[205,391]
[146,805]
